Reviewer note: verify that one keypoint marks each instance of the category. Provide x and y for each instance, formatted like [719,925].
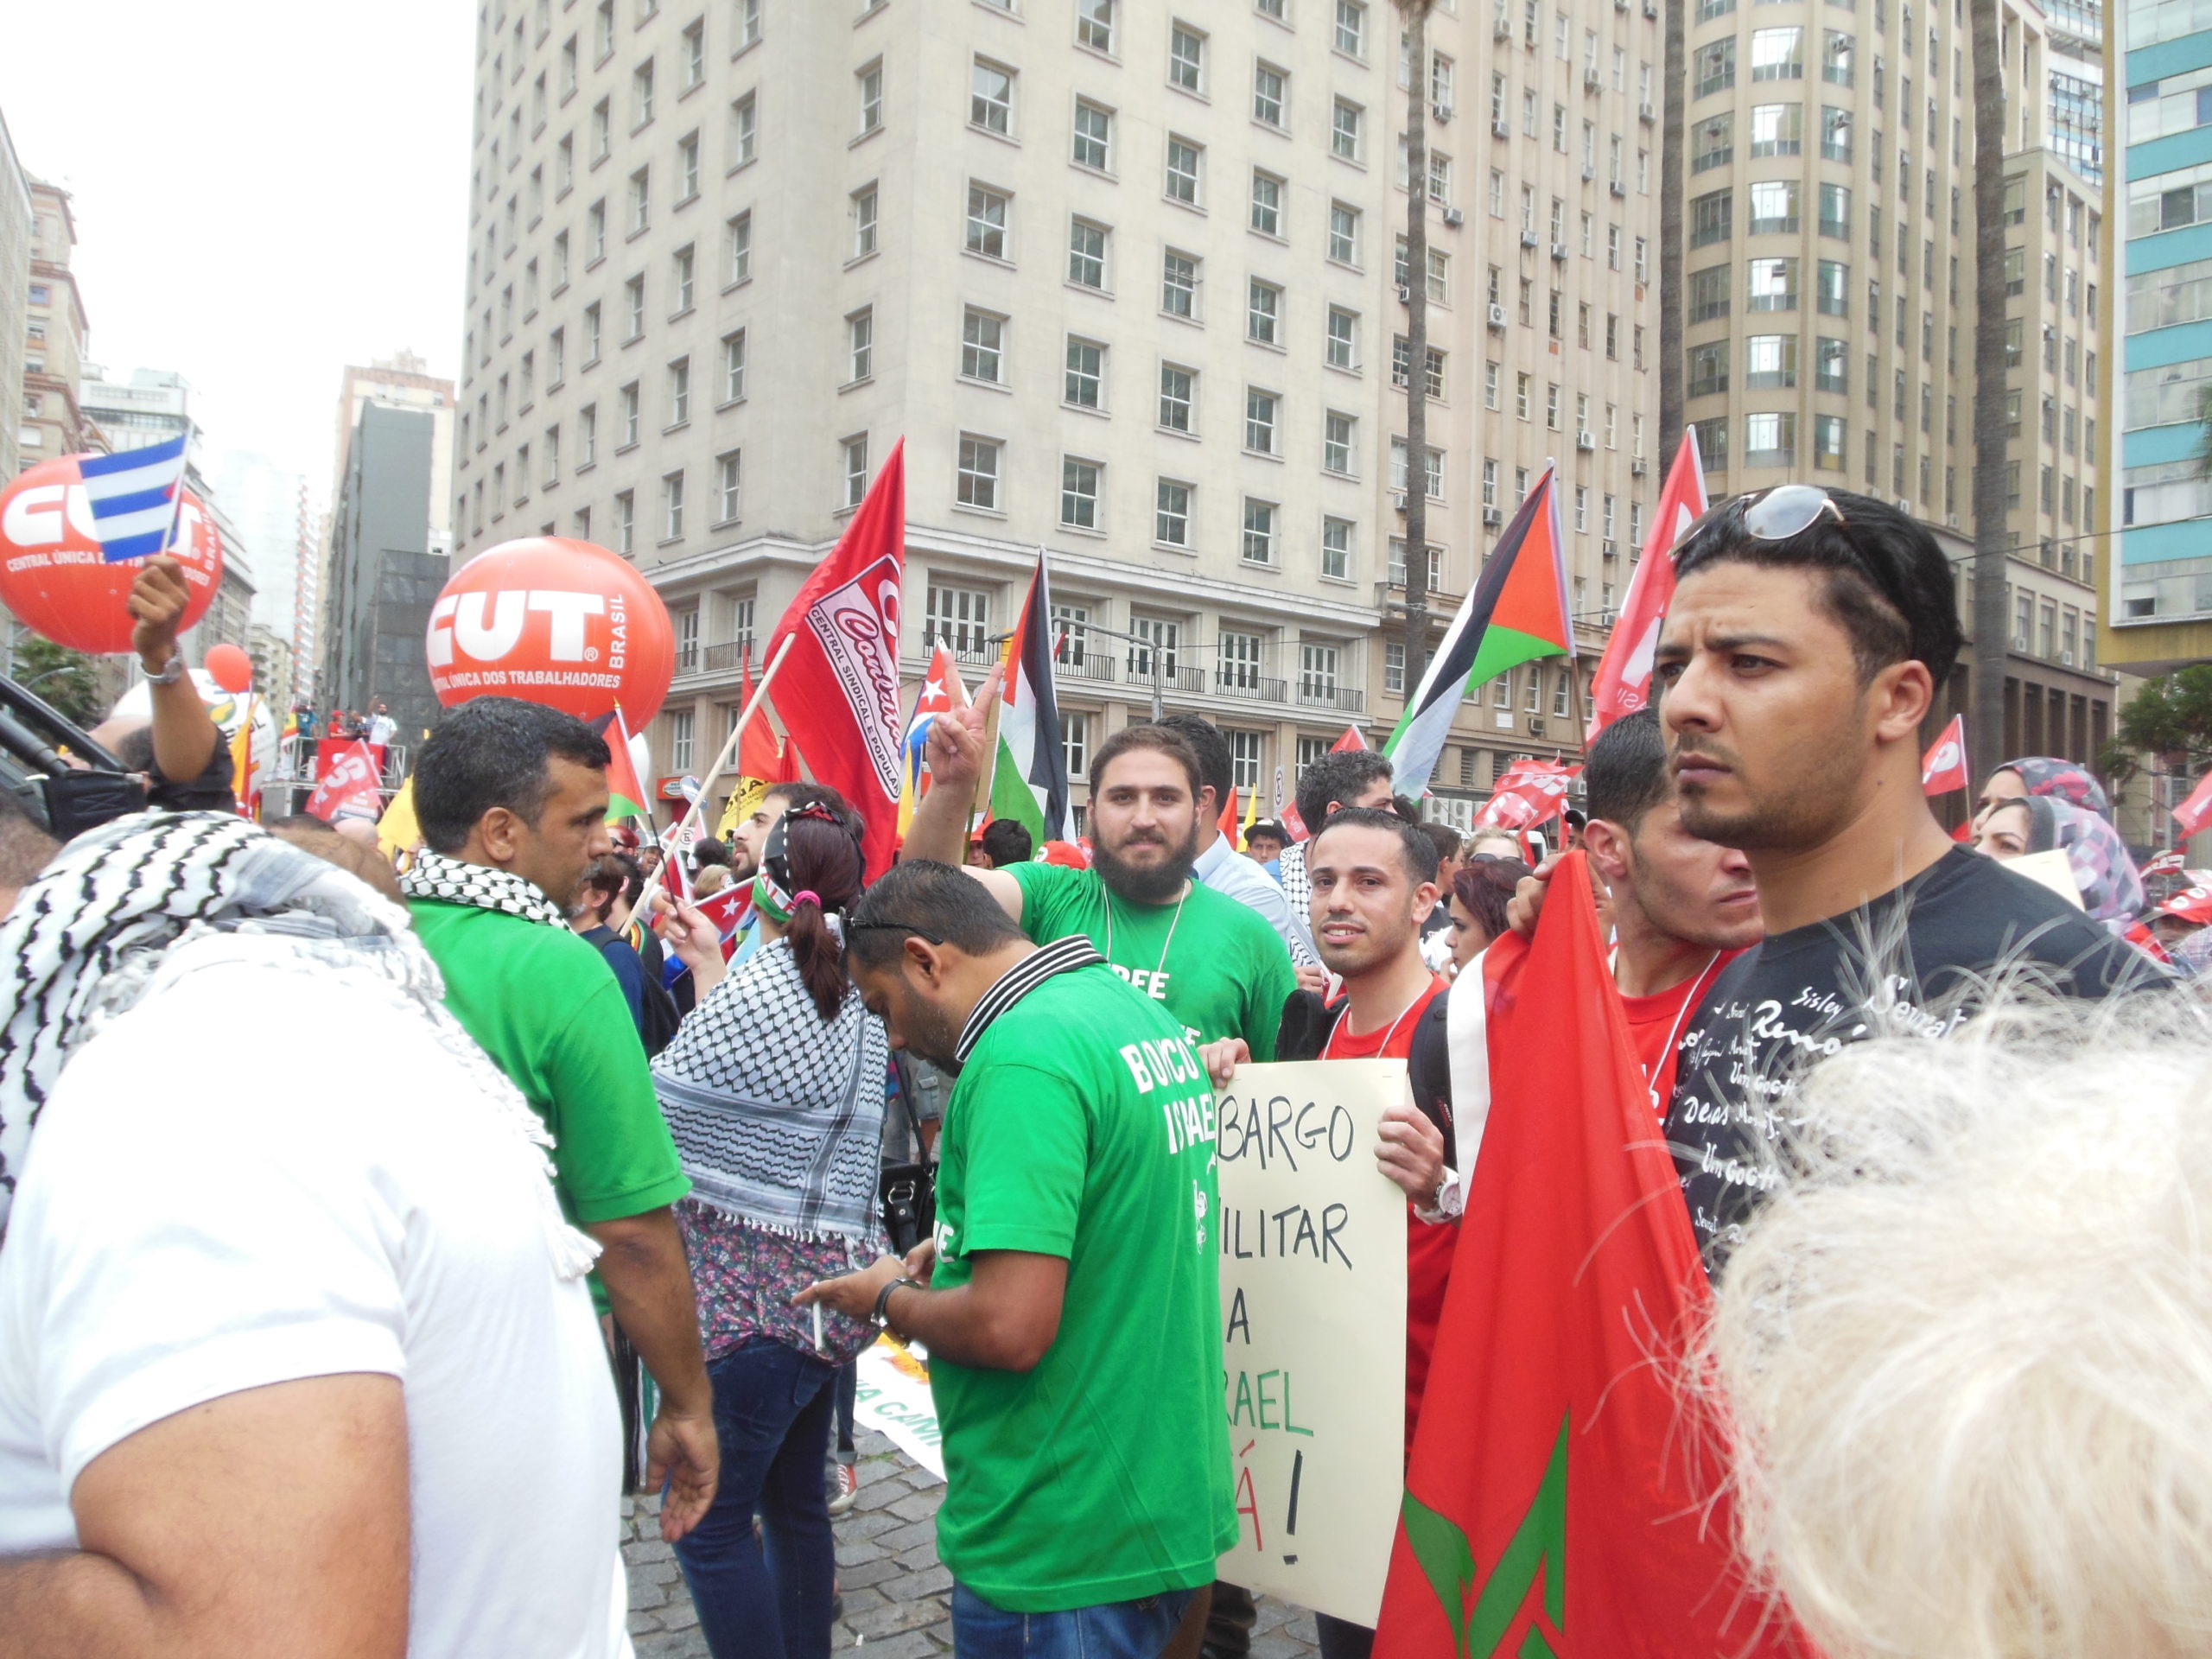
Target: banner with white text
[1314,1331]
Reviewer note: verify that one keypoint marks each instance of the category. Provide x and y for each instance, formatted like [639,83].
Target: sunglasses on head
[1787,509]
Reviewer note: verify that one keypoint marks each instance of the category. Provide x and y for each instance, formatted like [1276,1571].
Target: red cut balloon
[555,622]
[229,667]
[51,573]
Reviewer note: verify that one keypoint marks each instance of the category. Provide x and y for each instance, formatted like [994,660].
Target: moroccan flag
[2196,813]
[1029,778]
[1562,1500]
[943,691]
[1944,768]
[348,786]
[1517,614]
[1623,684]
[838,692]
[625,796]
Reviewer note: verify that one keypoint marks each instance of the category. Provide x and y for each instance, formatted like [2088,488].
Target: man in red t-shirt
[1682,907]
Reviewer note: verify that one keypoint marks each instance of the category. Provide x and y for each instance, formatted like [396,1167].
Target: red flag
[1227,823]
[1531,792]
[1944,768]
[758,754]
[1561,1499]
[2194,813]
[2170,862]
[1352,739]
[838,692]
[1623,681]
[348,785]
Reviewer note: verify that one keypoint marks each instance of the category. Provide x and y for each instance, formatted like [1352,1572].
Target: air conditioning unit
[1527,238]
[1638,466]
[1650,9]
[1905,507]
[1535,725]
[1591,79]
[1644,113]
[1501,30]
[1612,550]
[1454,217]
[2020,642]
[1589,171]
[1405,295]
[2066,659]
[1559,251]
[1398,499]
[1501,130]
[1497,318]
[1585,439]
[1492,517]
[1618,187]
[1442,112]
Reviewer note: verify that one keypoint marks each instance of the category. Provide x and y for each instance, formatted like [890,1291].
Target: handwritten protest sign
[1314,1316]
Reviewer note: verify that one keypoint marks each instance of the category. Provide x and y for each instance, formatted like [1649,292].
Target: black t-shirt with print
[1797,998]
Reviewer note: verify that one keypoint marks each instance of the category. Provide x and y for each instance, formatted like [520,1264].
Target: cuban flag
[133,497]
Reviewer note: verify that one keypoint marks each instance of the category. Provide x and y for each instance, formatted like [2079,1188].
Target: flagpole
[987,776]
[693,810]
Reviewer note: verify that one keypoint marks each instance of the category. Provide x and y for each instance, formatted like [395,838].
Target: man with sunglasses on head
[1799,661]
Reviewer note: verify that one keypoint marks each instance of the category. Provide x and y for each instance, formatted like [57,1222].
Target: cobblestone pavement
[896,1592]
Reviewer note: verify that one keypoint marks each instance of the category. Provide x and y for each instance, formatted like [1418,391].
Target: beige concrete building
[1125,280]
[1828,287]
[18,229]
[54,422]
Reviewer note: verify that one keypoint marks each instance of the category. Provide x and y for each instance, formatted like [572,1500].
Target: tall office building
[54,422]
[265,501]
[16,223]
[386,568]
[1126,281]
[1829,288]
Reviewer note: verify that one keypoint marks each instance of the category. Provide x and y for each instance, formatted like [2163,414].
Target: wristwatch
[172,670]
[881,1316]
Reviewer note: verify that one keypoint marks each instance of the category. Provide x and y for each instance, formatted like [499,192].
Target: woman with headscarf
[2044,775]
[2104,871]
[773,1090]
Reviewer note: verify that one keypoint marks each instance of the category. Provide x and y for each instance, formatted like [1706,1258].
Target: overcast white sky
[266,191]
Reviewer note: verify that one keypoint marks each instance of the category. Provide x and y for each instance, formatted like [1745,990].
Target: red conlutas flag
[1561,1499]
[1623,681]
[1944,768]
[838,692]
[1531,792]
[2194,813]
[348,785]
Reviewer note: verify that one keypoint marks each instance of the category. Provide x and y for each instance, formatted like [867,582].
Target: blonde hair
[1966,1349]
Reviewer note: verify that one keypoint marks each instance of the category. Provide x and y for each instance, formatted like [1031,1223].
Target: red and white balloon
[555,622]
[51,572]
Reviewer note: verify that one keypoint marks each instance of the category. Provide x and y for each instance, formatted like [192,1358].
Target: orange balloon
[51,572]
[229,667]
[555,622]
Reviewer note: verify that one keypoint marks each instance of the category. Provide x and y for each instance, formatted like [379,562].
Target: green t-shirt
[1219,968]
[545,1006]
[1082,1127]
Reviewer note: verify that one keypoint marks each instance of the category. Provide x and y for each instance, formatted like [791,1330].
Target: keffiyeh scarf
[777,1114]
[452,882]
[133,905]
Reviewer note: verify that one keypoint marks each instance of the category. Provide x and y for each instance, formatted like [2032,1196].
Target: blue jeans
[772,1406]
[1118,1629]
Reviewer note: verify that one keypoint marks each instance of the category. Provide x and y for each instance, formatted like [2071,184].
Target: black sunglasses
[894,927]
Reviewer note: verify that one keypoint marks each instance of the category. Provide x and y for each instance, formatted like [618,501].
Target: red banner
[346,783]
[329,750]
[1623,684]
[1944,768]
[2194,813]
[1531,792]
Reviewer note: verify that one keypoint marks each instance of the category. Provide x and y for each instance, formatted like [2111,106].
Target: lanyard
[1697,996]
[1172,922]
[1419,996]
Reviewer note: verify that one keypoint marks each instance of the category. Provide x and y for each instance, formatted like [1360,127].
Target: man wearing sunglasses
[1808,633]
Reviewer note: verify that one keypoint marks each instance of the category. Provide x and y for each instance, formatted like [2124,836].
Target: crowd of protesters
[345,1338]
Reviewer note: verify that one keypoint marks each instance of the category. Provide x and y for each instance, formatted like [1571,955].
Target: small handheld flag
[1944,768]
[625,796]
[133,496]
[943,690]
[1623,684]
[1029,783]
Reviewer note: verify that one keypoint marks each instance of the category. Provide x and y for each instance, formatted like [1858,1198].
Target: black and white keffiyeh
[131,906]
[778,1113]
[453,882]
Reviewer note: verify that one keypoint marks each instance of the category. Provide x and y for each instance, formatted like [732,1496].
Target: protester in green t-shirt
[1073,1312]
[511,798]
[1219,968]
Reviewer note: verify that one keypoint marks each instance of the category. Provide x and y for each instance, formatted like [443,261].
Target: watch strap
[882,1316]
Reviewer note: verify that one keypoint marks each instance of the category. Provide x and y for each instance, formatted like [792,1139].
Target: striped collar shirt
[1025,976]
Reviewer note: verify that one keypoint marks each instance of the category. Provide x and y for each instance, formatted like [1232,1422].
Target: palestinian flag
[1517,614]
[1029,775]
[625,796]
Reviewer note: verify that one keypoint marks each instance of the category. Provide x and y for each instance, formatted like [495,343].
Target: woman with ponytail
[773,1090]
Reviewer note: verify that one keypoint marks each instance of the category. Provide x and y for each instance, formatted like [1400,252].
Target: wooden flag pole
[693,810]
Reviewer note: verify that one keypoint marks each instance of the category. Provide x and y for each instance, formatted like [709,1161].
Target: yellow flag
[1251,817]
[744,802]
[397,830]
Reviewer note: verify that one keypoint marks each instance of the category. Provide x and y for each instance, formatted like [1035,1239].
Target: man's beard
[1143,884]
[925,1032]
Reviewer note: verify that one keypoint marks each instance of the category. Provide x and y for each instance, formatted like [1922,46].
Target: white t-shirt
[382,729]
[227,1189]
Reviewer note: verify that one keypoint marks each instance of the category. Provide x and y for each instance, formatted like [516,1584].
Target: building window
[1086,369]
[738,248]
[1344,131]
[730,486]
[1317,672]
[1093,134]
[1773,285]
[1238,670]
[1335,443]
[687,168]
[1770,439]
[990,98]
[864,212]
[1343,338]
[733,367]
[1186,52]
[1778,53]
[680,728]
[1351,28]
[1171,522]
[1336,549]
[1086,254]
[981,346]
[626,523]
[1267,203]
[855,454]
[1262,313]
[629,395]
[1182,171]
[1268,84]
[860,344]
[1079,493]
[1259,412]
[1094,26]
[744,132]
[683,265]
[587,435]
[687,640]
[633,302]
[1343,233]
[978,485]
[871,97]
[1259,532]
[1177,394]
[959,619]
[679,391]
[641,94]
[987,216]
[1075,741]
[1178,285]
[671,504]
[640,200]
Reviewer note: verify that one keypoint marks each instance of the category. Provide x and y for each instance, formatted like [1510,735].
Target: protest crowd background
[1731,1216]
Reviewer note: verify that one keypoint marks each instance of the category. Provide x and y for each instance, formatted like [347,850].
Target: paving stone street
[896,1592]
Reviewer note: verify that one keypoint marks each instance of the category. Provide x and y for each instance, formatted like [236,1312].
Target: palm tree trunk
[1416,635]
[1986,717]
[1673,296]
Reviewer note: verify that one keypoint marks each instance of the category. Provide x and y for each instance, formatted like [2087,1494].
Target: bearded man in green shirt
[511,798]
[1073,1312]
[1214,963]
